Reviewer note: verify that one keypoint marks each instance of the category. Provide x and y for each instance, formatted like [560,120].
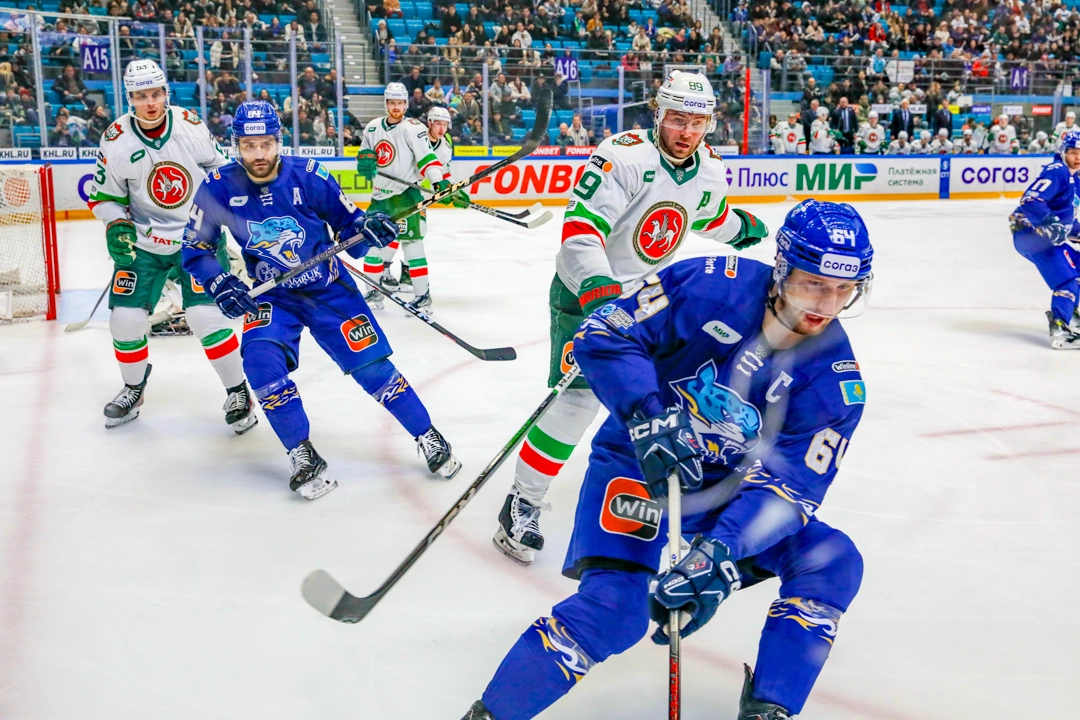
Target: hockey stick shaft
[83,323]
[328,597]
[674,618]
[513,219]
[503,353]
[532,141]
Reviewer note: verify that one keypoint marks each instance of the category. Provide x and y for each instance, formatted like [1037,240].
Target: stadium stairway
[361,69]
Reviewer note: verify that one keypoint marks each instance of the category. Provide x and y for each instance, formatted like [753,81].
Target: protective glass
[827,297]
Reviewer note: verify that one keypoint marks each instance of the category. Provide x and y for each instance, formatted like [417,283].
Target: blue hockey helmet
[830,240]
[1069,140]
[256,118]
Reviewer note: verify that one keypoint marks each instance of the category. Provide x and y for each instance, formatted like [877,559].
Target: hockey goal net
[29,269]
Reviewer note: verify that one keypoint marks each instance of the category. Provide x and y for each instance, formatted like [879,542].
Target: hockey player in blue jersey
[278,209]
[735,375]
[1041,225]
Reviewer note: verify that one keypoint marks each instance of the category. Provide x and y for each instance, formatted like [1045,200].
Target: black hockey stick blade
[535,208]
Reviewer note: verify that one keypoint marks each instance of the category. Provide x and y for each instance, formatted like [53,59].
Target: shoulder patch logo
[191,117]
[627,140]
[169,184]
[113,132]
[854,392]
[238,201]
[721,331]
[731,266]
[601,162]
[321,171]
[660,231]
[845,366]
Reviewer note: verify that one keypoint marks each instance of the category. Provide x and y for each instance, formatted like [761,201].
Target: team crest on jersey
[627,140]
[628,510]
[385,152]
[276,239]
[169,184]
[114,132]
[191,118]
[660,231]
[727,425]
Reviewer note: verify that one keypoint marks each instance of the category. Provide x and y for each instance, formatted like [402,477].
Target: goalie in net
[29,270]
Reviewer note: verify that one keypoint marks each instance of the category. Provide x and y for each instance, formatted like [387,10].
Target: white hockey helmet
[823,112]
[1004,117]
[968,132]
[924,135]
[438,113]
[902,135]
[872,115]
[1070,114]
[686,92]
[943,132]
[1040,136]
[143,75]
[395,91]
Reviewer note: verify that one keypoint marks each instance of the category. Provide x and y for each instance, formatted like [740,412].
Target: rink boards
[751,179]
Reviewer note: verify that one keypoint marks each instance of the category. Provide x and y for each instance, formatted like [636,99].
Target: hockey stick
[532,141]
[508,217]
[503,353]
[675,616]
[327,595]
[72,327]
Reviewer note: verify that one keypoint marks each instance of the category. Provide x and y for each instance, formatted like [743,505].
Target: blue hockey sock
[281,402]
[794,646]
[544,664]
[1063,302]
[389,387]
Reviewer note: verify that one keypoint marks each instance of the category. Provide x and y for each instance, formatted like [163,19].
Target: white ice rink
[153,571]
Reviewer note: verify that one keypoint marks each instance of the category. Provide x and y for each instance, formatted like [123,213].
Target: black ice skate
[388,281]
[374,299]
[125,407]
[239,409]
[751,709]
[478,712]
[432,446]
[423,303]
[405,281]
[309,476]
[519,536]
[174,326]
[1062,337]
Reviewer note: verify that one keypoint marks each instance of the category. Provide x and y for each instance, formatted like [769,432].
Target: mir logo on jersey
[628,510]
[660,231]
[277,240]
[727,425]
[169,185]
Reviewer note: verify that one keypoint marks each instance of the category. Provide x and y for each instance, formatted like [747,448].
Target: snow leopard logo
[727,425]
[276,239]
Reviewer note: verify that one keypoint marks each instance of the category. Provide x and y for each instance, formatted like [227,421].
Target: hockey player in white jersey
[788,137]
[150,163]
[1002,138]
[642,192]
[1041,145]
[871,136]
[967,144]
[822,141]
[922,145]
[398,145]
[899,146]
[1069,123]
[942,145]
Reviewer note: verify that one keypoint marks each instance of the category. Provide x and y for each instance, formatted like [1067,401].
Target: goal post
[29,262]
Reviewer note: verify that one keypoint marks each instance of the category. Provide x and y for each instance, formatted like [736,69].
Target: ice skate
[309,476]
[388,281]
[423,303]
[374,299]
[125,406]
[405,281]
[751,709]
[239,409]
[432,446]
[519,536]
[478,712]
[1062,336]
[174,326]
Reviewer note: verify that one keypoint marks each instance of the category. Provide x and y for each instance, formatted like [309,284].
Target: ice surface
[153,571]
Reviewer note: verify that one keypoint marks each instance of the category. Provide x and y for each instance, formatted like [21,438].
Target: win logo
[628,510]
[833,176]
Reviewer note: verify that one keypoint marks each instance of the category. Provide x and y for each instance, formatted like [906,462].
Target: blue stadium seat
[408,10]
[519,133]
[413,28]
[463,9]
[397,27]
[528,117]
[424,12]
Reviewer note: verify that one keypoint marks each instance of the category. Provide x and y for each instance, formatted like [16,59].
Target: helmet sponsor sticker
[254,128]
[841,266]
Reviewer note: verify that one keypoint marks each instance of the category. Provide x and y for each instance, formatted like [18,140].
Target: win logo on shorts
[359,333]
[628,510]
[124,282]
[262,318]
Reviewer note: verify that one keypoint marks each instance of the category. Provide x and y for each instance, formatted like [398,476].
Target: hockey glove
[597,291]
[664,444]
[751,232]
[367,164]
[696,586]
[379,229]
[120,238]
[1057,233]
[231,296]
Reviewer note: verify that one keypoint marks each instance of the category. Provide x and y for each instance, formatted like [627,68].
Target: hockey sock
[608,615]
[373,264]
[1063,302]
[416,259]
[264,363]
[549,444]
[794,646]
[128,328]
[390,389]
[219,342]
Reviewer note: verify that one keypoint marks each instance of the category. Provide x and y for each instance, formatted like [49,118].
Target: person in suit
[809,117]
[943,119]
[845,122]
[902,120]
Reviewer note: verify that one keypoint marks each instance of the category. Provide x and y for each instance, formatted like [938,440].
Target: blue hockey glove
[379,229]
[1019,221]
[231,295]
[666,443]
[1057,233]
[696,586]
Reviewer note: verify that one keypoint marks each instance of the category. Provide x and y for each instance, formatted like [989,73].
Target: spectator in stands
[144,10]
[11,110]
[71,89]
[469,107]
[392,9]
[544,27]
[811,92]
[578,134]
[599,42]
[228,84]
[305,128]
[563,139]
[560,93]
[499,131]
[499,94]
[265,96]
[99,123]
[522,36]
[520,94]
[435,94]
[414,80]
[224,53]
[29,105]
[60,136]
[314,106]
[902,120]
[295,29]
[418,105]
[580,26]
[452,22]
[219,104]
[315,31]
[845,121]
[641,42]
[328,85]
